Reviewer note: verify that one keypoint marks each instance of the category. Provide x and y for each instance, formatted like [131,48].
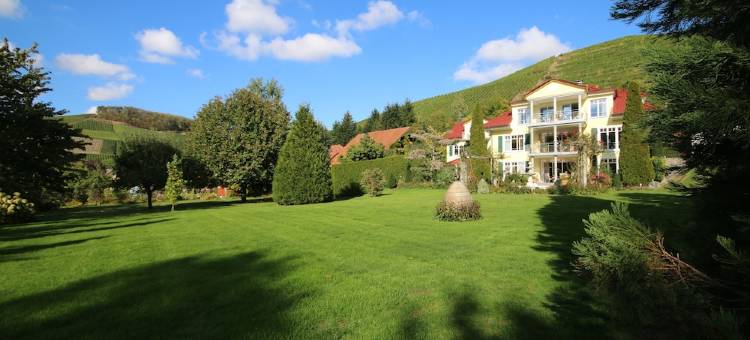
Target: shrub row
[346,176]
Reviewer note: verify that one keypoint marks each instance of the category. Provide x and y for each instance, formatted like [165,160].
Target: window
[570,111]
[525,116]
[598,108]
[545,114]
[450,150]
[609,137]
[514,143]
[609,164]
[515,167]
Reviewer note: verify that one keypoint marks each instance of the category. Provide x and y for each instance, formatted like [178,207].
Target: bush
[372,181]
[445,177]
[446,211]
[346,176]
[642,282]
[391,182]
[366,149]
[14,209]
[660,168]
[617,181]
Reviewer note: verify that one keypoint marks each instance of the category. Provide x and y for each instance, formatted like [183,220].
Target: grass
[372,268]
[608,64]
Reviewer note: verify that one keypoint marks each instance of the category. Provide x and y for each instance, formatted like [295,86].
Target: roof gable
[384,137]
[552,87]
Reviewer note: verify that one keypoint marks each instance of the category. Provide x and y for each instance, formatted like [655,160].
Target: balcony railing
[556,117]
[562,146]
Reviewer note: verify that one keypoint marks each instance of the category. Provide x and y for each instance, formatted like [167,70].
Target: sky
[336,55]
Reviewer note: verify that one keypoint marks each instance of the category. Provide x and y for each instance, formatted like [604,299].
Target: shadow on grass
[11,253]
[241,296]
[23,233]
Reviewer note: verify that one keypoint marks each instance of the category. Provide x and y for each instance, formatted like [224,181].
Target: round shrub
[448,211]
[14,209]
[372,181]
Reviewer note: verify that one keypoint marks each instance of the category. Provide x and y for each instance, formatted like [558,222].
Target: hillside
[106,136]
[608,64]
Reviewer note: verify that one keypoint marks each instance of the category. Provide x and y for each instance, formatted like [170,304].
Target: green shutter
[450,150]
[499,143]
[527,139]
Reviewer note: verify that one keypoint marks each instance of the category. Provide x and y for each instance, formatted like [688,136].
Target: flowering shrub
[446,211]
[372,181]
[14,209]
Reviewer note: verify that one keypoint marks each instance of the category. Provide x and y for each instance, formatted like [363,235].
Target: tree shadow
[241,296]
[412,326]
[24,233]
[11,253]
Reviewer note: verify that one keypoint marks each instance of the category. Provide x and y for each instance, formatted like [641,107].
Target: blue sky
[173,56]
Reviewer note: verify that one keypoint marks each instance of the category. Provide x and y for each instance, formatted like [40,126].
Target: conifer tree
[478,152]
[635,156]
[303,172]
[175,183]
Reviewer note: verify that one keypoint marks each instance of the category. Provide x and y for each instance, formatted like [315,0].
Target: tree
[717,19]
[239,138]
[303,173]
[635,156]
[143,163]
[366,149]
[374,123]
[478,152]
[175,184]
[391,117]
[37,149]
[89,182]
[406,114]
[342,132]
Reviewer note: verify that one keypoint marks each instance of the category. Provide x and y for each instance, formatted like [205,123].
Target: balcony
[560,117]
[563,147]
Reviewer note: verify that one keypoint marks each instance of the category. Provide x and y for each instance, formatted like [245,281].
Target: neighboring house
[535,136]
[387,138]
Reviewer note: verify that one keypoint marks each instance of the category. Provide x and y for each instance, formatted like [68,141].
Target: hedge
[346,176]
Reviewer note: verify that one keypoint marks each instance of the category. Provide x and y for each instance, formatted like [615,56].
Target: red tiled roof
[621,97]
[455,162]
[456,131]
[501,120]
[384,137]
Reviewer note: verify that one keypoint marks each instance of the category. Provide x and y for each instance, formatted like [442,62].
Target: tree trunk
[243,194]
[149,194]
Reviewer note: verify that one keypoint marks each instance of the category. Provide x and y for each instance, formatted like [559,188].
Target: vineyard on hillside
[112,136]
[609,64]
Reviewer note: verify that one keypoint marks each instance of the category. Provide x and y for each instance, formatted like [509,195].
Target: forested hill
[143,118]
[608,64]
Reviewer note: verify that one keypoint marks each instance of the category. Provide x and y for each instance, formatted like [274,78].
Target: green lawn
[373,268]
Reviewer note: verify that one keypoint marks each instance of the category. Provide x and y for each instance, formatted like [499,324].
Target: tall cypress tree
[303,172]
[480,155]
[635,155]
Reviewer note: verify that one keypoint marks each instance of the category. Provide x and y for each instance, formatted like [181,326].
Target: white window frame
[515,167]
[599,106]
[508,142]
[524,115]
[606,161]
[617,129]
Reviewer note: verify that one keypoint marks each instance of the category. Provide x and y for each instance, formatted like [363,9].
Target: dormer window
[524,116]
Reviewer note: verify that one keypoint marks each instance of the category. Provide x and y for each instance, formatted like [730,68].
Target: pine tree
[303,172]
[374,123]
[480,155]
[635,156]
[343,131]
[175,183]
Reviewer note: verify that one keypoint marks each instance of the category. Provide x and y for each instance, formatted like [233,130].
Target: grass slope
[608,64]
[113,134]
[363,268]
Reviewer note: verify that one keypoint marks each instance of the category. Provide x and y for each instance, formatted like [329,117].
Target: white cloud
[92,64]
[254,29]
[418,17]
[498,58]
[11,8]
[109,91]
[312,47]
[195,73]
[92,110]
[255,16]
[379,13]
[160,45]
